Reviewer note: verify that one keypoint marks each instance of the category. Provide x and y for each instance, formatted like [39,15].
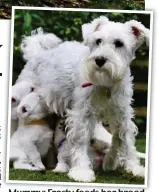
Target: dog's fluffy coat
[104,62]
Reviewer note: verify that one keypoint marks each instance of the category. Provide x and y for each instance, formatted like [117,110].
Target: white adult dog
[93,80]
[31,46]
[33,137]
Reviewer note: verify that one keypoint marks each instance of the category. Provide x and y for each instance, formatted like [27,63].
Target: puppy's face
[112,46]
[32,107]
[20,90]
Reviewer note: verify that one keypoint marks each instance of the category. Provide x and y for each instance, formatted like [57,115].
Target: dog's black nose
[100,61]
[24,110]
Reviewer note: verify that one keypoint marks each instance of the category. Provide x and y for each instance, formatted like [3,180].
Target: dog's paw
[140,172]
[109,163]
[61,168]
[81,174]
[136,170]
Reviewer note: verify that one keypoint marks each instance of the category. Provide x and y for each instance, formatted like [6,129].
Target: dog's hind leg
[81,129]
[123,151]
[132,161]
[62,166]
[33,155]
[63,159]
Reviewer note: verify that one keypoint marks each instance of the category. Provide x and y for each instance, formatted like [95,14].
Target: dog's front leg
[128,153]
[81,127]
[111,159]
[123,151]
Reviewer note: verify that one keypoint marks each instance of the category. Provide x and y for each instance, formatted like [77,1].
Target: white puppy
[33,137]
[19,91]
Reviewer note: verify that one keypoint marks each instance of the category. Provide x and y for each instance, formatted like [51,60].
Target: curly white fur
[104,61]
[96,151]
[37,42]
[31,46]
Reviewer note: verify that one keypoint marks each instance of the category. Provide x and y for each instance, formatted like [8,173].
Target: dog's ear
[140,32]
[89,28]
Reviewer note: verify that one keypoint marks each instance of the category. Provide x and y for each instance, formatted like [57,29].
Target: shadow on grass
[114,177]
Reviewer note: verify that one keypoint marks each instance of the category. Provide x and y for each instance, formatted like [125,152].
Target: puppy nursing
[92,82]
[19,91]
[31,46]
[32,139]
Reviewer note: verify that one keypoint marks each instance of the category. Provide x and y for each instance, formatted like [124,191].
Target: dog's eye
[98,41]
[118,43]
[32,89]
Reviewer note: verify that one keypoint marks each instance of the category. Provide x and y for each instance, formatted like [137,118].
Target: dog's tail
[37,42]
[141,155]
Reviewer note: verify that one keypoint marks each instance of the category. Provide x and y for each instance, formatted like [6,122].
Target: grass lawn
[114,177]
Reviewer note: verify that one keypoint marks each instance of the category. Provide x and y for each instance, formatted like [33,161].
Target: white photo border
[148,100]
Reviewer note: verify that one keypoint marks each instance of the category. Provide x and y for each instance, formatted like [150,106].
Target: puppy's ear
[89,28]
[139,31]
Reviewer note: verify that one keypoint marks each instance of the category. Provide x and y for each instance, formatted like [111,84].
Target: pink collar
[86,84]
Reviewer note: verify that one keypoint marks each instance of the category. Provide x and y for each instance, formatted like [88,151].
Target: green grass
[114,177]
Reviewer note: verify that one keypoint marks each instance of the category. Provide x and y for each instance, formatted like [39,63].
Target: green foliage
[65,24]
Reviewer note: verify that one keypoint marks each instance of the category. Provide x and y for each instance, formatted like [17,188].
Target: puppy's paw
[110,163]
[33,168]
[61,168]
[81,174]
[27,166]
[40,167]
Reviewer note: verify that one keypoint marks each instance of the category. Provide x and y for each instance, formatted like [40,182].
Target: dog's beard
[106,75]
